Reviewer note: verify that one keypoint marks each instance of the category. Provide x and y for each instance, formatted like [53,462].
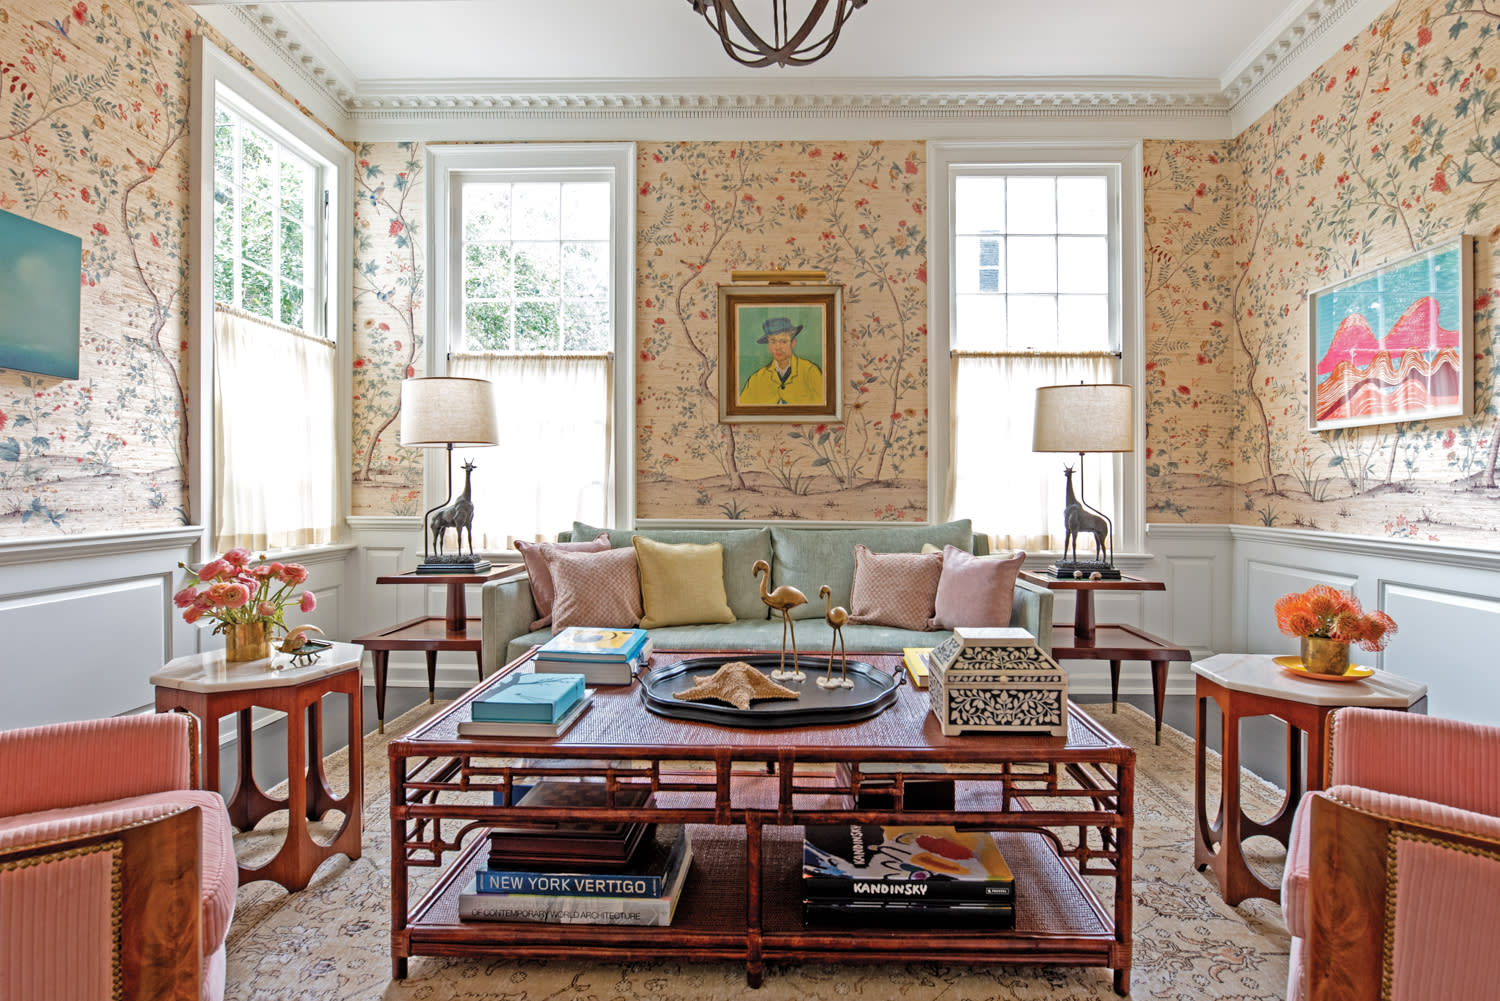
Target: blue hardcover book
[529,698]
[648,875]
[585,643]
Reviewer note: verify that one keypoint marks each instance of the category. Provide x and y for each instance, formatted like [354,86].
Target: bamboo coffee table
[748,791]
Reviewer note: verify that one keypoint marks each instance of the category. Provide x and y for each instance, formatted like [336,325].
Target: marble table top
[210,672]
[1258,674]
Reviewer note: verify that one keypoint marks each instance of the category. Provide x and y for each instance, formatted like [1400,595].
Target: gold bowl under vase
[1321,655]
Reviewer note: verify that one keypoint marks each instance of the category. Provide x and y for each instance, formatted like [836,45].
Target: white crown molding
[450,109]
[1426,553]
[1299,46]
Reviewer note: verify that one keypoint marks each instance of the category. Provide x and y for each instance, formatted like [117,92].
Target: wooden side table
[1245,685]
[1116,643]
[210,687]
[453,632]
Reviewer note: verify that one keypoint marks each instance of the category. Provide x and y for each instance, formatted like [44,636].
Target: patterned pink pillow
[976,590]
[894,589]
[595,589]
[535,556]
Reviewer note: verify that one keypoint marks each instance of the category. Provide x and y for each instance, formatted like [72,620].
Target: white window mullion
[984,377]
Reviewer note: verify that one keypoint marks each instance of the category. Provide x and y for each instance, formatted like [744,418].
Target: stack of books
[528,705]
[603,656]
[579,873]
[548,842]
[898,874]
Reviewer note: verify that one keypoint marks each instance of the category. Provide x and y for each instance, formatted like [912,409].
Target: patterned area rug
[331,941]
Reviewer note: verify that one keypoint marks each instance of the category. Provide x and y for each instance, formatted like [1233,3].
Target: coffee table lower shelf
[1059,919]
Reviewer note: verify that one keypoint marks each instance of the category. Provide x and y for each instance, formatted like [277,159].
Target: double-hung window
[534,256]
[1035,284]
[274,238]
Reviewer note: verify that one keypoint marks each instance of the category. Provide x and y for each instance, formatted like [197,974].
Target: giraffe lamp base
[1084,569]
[454,564]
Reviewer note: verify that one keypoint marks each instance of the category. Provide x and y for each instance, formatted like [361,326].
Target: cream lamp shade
[445,410]
[1084,418]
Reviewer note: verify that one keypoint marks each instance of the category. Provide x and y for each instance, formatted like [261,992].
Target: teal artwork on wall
[39,297]
[1394,345]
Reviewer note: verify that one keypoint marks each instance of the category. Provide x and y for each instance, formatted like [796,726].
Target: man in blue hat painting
[788,380]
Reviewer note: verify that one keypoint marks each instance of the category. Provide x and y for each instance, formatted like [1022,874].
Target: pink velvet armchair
[1392,883]
[117,877]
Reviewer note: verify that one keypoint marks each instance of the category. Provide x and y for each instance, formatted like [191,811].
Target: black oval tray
[873,690]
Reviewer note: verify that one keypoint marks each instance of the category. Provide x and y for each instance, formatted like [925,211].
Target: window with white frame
[274,260]
[1034,293]
[534,256]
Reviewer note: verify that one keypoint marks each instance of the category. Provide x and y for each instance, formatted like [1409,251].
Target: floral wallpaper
[1390,147]
[95,114]
[389,284]
[854,210]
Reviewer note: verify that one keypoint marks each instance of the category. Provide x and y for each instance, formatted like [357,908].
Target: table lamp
[1084,418]
[449,411]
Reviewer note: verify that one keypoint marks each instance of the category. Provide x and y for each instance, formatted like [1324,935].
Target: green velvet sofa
[803,556]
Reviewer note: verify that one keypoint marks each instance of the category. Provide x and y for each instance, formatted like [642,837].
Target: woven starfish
[736,683]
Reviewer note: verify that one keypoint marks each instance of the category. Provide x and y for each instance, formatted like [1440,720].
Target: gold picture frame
[770,370]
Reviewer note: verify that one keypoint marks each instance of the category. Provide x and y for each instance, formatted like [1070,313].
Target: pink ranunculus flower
[185,597]
[261,572]
[192,615]
[237,557]
[266,608]
[214,569]
[293,573]
[228,594]
[309,601]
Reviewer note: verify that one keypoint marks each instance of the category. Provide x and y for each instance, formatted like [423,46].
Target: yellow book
[915,659]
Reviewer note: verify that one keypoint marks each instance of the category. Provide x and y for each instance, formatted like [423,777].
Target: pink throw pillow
[595,589]
[894,589]
[976,590]
[534,554]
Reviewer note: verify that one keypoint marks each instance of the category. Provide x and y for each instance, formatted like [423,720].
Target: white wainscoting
[1223,581]
[86,621]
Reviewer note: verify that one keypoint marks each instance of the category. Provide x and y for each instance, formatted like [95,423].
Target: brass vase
[1321,655]
[247,641]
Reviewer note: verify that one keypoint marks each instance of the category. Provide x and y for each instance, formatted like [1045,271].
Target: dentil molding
[278,27]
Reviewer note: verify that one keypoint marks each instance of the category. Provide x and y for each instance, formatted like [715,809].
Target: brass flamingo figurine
[838,617]
[783,599]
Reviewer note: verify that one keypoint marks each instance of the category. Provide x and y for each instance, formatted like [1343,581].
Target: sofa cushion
[975,590]
[682,583]
[808,558]
[742,547]
[595,589]
[534,555]
[894,589]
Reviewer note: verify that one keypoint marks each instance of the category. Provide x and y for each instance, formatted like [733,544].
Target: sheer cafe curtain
[995,478]
[552,466]
[275,465]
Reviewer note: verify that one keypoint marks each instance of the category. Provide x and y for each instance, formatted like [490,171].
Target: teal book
[529,698]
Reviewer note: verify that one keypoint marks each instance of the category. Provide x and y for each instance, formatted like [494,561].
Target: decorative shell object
[998,681]
[738,684]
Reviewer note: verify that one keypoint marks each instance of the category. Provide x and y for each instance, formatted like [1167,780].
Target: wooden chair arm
[153,889]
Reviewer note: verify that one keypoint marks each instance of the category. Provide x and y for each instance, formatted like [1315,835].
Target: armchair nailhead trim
[116,849]
[1393,842]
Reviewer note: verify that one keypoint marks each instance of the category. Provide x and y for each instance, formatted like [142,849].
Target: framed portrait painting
[779,352]
[1394,344]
